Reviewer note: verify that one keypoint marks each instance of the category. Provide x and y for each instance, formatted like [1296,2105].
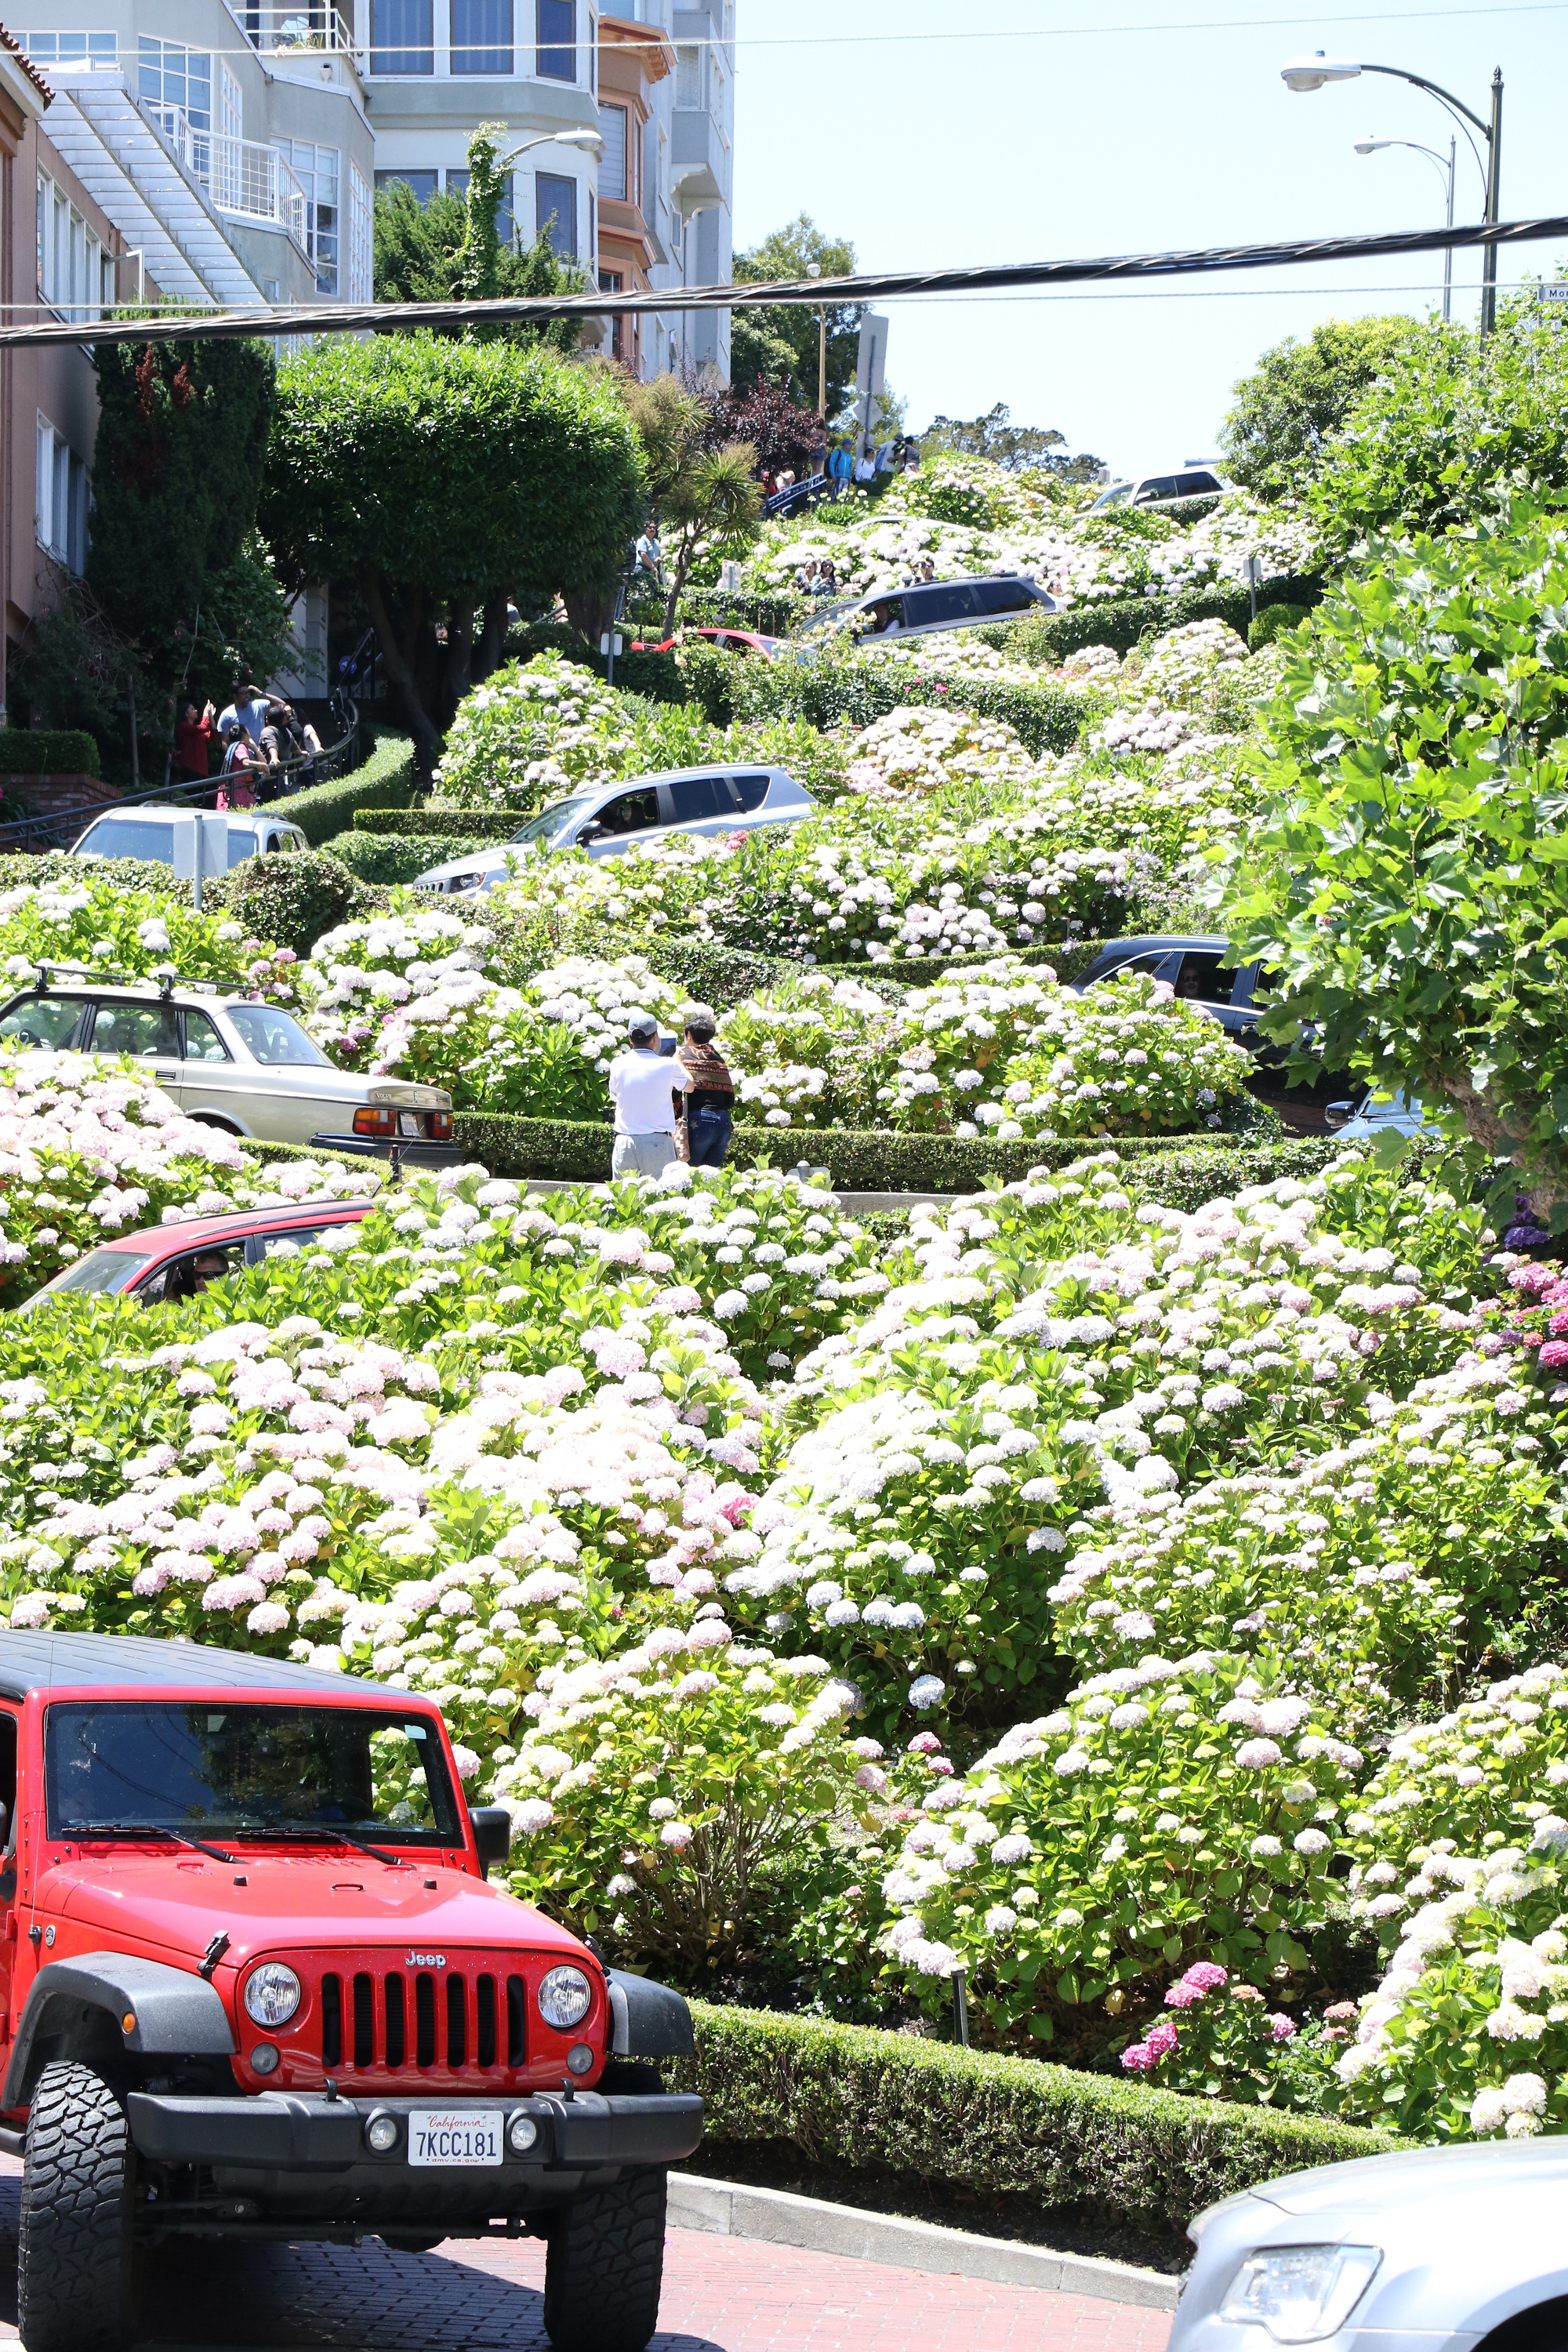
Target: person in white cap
[644,1084]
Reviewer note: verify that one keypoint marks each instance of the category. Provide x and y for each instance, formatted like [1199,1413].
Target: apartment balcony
[700,162]
[242,178]
[700,22]
[292,27]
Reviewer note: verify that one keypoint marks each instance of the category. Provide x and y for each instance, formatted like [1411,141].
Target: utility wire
[395,318]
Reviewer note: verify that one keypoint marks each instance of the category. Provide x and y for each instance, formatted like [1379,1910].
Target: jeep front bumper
[277,2155]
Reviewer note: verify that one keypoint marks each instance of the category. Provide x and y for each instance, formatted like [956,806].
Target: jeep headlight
[272,1994]
[565,1996]
[1300,2293]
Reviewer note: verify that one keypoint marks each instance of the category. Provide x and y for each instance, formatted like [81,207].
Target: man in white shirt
[643,1085]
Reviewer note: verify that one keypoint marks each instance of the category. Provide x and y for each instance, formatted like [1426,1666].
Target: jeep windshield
[291,1772]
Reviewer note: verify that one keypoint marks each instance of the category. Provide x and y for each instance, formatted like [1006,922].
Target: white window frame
[59,500]
[361,237]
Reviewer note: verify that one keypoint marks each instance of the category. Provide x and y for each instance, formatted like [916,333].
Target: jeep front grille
[420,2020]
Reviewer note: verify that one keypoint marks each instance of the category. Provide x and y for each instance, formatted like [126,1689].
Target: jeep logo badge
[426,1960]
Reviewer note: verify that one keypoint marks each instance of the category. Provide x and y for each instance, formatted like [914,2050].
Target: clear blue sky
[995,146]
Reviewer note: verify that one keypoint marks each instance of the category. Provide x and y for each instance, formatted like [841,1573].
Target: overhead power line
[875,286]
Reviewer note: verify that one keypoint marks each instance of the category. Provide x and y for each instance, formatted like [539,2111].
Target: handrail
[16,834]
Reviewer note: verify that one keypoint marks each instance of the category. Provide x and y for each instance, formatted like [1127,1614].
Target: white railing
[241,175]
[277,27]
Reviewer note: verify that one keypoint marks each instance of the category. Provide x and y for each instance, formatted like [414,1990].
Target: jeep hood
[310,1901]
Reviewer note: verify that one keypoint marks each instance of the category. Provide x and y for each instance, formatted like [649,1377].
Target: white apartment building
[232,143]
[656,83]
[278,118]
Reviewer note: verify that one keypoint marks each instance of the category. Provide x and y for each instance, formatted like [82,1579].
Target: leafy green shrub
[1417,737]
[87,919]
[392,857]
[852,2099]
[293,900]
[48,752]
[384,780]
[1275,621]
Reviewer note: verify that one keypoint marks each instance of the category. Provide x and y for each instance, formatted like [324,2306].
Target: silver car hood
[1370,2184]
[482,861]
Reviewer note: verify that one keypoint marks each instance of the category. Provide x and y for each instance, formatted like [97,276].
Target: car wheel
[604,2266]
[205,1119]
[75,2261]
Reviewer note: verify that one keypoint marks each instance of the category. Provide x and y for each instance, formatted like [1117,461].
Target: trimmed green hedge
[713,975]
[1182,1170]
[59,867]
[441,823]
[385,780]
[389,857]
[48,752]
[1067,958]
[828,694]
[1122,622]
[292,900]
[854,2098]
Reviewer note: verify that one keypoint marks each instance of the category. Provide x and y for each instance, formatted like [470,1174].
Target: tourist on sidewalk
[643,1086]
[710,1103]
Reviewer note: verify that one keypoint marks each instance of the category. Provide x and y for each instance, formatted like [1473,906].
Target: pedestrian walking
[644,1084]
[711,1101]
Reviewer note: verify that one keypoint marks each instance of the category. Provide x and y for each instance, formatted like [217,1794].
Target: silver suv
[149,833]
[634,812]
[932,608]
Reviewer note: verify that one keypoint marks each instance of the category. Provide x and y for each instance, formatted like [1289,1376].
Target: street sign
[1553,299]
[201,848]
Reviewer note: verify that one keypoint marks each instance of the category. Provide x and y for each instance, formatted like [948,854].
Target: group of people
[817,577]
[255,741]
[671,1101]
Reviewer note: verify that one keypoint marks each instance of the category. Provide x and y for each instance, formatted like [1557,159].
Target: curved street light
[1371,146]
[1309,73]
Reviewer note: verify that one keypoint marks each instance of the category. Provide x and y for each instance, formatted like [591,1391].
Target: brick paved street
[721,2295]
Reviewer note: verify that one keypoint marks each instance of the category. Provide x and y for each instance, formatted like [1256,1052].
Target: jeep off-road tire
[604,2266]
[74,2258]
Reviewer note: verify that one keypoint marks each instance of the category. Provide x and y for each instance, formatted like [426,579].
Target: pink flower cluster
[1543,1287]
[1143,2056]
[1204,1976]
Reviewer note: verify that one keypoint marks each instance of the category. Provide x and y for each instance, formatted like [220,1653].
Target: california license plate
[443,2136]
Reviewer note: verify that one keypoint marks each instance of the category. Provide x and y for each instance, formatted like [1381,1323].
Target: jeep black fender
[173,2013]
[647,2020]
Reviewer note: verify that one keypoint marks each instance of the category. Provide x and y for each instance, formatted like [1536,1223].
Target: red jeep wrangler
[255,1986]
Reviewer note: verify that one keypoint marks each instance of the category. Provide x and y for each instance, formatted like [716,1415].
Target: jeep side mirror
[492,1834]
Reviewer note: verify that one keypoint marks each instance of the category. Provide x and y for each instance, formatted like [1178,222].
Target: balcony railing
[242,177]
[276,27]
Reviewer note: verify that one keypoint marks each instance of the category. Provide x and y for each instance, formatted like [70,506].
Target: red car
[177,1261]
[256,1988]
[731,641]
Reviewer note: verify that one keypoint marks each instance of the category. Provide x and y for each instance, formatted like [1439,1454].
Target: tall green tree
[1017,448]
[452,249]
[1298,397]
[182,442]
[441,477]
[702,495]
[779,346]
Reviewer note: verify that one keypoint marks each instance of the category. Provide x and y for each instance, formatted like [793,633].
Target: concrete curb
[782,2219]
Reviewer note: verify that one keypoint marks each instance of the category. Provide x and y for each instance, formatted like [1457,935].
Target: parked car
[730,641]
[270,1996]
[1195,967]
[1354,1120]
[1438,2249]
[1159,489]
[932,608]
[629,813]
[178,1261]
[149,833]
[234,1064]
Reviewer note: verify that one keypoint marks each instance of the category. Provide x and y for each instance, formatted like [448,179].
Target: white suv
[234,1064]
[150,832]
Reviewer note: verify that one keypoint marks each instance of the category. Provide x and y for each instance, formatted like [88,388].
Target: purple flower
[1281,2026]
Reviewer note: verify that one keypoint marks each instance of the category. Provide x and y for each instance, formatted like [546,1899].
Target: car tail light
[441,1125]
[376,1121]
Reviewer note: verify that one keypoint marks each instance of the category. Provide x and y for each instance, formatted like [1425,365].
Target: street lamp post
[814,269]
[1311,72]
[1370,146]
[588,142]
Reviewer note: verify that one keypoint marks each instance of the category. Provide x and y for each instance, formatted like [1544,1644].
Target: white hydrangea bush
[916,749]
[1167,1812]
[531,733]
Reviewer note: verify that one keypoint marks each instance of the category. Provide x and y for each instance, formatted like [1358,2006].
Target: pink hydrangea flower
[1182,1995]
[1206,1976]
[1282,2027]
[924,1743]
[1138,2058]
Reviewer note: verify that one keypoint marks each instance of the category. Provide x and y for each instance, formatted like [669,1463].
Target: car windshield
[273,1037]
[100,1270]
[1116,497]
[153,837]
[205,1766]
[555,819]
